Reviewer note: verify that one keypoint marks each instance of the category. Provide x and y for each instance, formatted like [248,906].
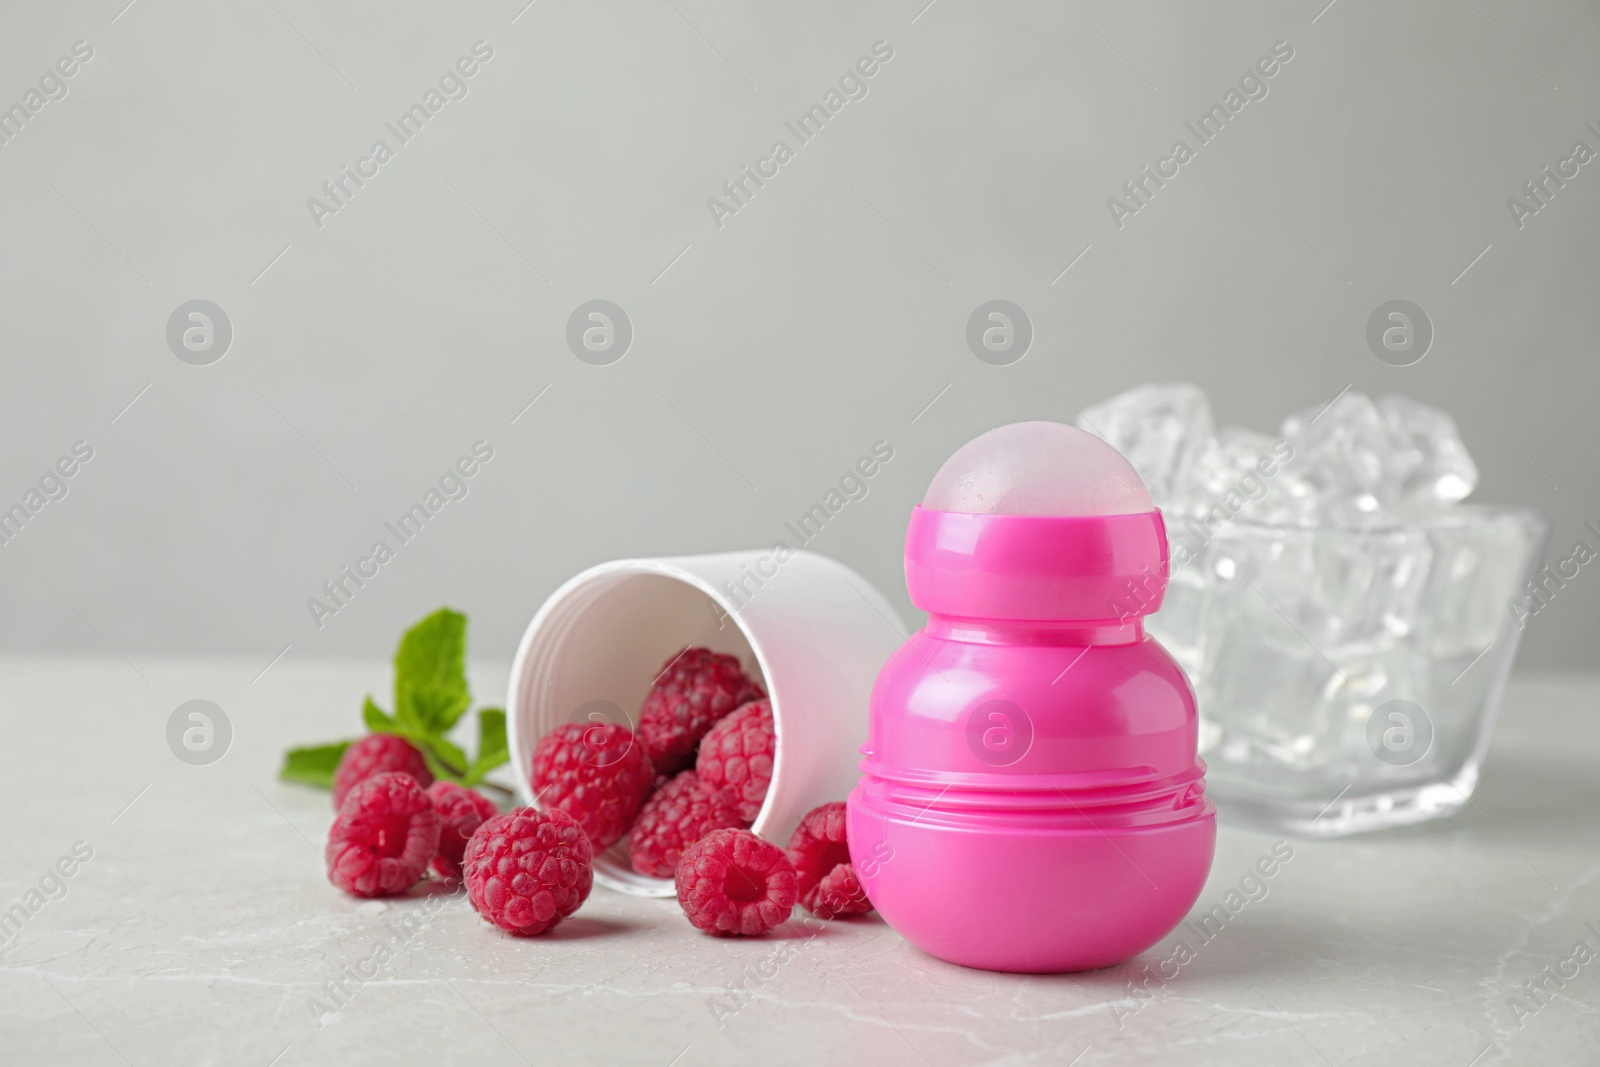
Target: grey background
[768,355]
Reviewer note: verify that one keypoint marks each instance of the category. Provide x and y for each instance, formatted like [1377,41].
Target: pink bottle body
[1031,797]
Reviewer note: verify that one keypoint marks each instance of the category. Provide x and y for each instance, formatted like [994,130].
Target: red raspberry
[375,754]
[737,755]
[526,870]
[824,879]
[840,895]
[676,816]
[695,689]
[596,772]
[732,882]
[461,811]
[385,834]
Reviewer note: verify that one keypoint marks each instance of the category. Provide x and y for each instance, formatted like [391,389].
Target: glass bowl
[1348,677]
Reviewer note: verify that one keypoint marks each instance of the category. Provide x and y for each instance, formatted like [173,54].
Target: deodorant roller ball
[1031,797]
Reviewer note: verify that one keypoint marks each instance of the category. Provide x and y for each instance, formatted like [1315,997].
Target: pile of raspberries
[684,790]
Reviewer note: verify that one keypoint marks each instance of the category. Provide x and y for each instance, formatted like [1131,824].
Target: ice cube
[1346,455]
[1037,468]
[1265,696]
[1162,429]
[1307,630]
[1442,471]
[1246,474]
[1183,623]
[1481,560]
[1365,590]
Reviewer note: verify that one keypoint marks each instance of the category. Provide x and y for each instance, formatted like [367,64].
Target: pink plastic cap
[1095,569]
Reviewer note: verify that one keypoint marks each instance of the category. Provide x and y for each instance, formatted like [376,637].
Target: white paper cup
[810,630]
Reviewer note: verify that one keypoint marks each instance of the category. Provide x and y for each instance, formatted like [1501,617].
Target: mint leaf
[430,696]
[444,758]
[430,675]
[492,747]
[314,764]
[377,720]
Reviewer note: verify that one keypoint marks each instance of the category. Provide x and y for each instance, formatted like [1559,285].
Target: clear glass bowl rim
[1457,516]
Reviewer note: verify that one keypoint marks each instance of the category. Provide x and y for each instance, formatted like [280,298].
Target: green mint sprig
[430,696]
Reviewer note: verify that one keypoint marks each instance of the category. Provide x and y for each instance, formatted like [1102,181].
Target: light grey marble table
[201,929]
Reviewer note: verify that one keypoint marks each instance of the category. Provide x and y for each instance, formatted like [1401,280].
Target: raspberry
[824,879]
[840,895]
[732,882]
[737,756]
[597,773]
[676,816]
[695,689]
[385,834]
[526,870]
[375,754]
[461,811]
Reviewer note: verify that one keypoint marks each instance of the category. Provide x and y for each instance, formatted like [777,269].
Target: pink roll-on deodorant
[1031,797]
